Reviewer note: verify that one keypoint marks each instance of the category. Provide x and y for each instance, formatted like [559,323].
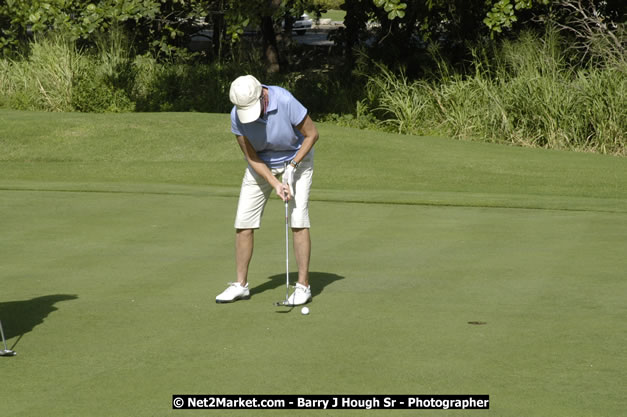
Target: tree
[400,30]
[503,13]
[265,15]
[159,25]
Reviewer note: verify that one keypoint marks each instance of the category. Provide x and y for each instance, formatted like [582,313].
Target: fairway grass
[117,236]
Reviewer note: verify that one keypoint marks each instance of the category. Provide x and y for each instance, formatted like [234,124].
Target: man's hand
[288,177]
[282,190]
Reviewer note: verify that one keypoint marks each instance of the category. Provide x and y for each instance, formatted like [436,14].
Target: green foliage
[322,92]
[44,79]
[393,8]
[362,119]
[533,91]
[94,92]
[503,13]
[400,102]
[185,87]
[160,23]
[523,93]
[56,76]
[111,78]
[107,78]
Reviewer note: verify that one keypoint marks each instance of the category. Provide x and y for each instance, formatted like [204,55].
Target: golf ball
[304,310]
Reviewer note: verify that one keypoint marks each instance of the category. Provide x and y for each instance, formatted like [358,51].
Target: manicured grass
[117,235]
[334,15]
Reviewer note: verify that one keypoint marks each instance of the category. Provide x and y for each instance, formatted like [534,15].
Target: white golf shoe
[300,296]
[234,292]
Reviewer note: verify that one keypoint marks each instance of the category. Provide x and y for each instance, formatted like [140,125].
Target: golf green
[507,285]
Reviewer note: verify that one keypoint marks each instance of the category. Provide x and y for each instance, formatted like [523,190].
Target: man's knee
[245,232]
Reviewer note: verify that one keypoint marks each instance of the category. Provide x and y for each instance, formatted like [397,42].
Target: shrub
[93,92]
[524,92]
[42,80]
[56,76]
[183,86]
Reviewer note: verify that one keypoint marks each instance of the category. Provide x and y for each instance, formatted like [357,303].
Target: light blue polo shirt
[275,137]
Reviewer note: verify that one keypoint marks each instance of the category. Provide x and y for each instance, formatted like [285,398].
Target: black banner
[331,402]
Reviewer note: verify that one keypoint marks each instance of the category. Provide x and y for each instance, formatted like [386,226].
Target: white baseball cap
[245,94]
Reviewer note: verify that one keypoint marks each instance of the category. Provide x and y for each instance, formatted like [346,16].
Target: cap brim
[250,113]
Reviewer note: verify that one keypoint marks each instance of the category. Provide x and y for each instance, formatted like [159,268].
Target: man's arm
[310,132]
[260,167]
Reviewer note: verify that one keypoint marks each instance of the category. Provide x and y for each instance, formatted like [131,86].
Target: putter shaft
[287,240]
[287,254]
[4,342]
[6,351]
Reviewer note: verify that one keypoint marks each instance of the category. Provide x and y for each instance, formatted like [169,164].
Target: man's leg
[244,242]
[302,252]
[243,254]
[253,196]
[299,221]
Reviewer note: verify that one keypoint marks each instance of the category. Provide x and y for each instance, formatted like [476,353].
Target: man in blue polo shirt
[272,128]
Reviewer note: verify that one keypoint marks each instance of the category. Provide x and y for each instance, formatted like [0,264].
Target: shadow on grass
[317,280]
[21,317]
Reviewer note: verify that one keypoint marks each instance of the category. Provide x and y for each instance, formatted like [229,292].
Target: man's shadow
[21,317]
[317,280]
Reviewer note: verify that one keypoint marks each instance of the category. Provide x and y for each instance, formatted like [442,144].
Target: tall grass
[529,91]
[525,92]
[106,78]
[110,77]
[56,75]
[44,79]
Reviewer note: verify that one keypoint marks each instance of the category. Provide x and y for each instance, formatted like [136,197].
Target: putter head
[282,304]
[7,352]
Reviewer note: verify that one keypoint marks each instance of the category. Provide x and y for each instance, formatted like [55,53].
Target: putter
[287,253]
[5,352]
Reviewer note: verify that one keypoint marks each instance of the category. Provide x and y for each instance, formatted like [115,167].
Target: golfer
[273,130]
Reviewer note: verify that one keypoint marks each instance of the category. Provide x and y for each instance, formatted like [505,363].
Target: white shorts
[256,191]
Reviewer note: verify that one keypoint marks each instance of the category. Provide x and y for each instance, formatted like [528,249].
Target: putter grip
[284,179]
